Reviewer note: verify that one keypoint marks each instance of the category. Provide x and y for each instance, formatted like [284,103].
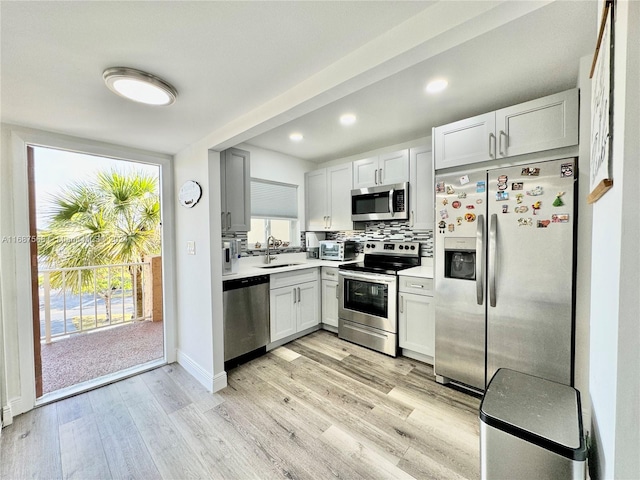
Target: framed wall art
[602,106]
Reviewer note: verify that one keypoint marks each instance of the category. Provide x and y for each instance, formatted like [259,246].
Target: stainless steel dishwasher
[246,318]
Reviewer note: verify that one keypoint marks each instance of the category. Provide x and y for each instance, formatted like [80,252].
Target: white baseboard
[7,416]
[219,381]
[197,372]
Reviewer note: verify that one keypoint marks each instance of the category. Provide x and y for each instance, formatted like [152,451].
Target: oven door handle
[369,277]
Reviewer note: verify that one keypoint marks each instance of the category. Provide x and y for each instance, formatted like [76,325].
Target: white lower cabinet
[330,296]
[294,302]
[416,316]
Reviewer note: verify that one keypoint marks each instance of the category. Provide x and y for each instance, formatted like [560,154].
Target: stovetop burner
[387,257]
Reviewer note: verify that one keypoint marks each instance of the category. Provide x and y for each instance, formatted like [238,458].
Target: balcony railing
[89,298]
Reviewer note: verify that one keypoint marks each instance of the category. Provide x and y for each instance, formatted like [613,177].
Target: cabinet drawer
[418,285]
[330,273]
[295,277]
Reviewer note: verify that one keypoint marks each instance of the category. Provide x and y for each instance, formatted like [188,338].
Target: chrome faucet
[268,258]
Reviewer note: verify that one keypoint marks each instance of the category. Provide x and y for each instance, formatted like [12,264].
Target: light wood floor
[316,408]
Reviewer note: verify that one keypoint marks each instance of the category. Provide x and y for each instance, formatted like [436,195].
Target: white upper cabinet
[421,188]
[384,169]
[542,124]
[235,190]
[328,198]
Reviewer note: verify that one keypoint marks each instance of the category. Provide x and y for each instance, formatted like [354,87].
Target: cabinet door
[393,167]
[308,302]
[283,312]
[339,184]
[365,173]
[316,200]
[237,190]
[330,303]
[538,125]
[416,323]
[421,188]
[464,142]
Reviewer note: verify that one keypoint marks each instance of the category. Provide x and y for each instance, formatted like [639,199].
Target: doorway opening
[96,250]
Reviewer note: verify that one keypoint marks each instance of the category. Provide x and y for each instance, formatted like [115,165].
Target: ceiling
[254,72]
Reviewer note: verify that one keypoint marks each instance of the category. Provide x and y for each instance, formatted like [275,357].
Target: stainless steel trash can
[530,428]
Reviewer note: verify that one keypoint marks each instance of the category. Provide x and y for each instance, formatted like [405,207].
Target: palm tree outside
[112,219]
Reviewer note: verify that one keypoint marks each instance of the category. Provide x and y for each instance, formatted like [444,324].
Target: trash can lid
[537,410]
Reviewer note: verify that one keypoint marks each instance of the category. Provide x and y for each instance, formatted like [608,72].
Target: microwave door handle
[480,261]
[493,249]
[391,202]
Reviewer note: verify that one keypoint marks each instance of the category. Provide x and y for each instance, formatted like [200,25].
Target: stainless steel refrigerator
[504,260]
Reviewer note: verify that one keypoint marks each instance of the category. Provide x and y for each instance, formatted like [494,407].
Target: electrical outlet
[191,247]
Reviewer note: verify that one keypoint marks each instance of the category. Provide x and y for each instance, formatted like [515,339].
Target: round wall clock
[190,193]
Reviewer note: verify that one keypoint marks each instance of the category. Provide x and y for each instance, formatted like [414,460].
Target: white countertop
[425,270]
[253,266]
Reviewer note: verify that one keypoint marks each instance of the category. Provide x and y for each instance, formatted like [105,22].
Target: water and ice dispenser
[460,258]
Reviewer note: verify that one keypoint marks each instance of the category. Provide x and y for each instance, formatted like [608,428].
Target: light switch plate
[191,247]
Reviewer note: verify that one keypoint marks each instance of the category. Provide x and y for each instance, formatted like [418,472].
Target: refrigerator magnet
[536,206]
[502,182]
[560,218]
[521,209]
[480,187]
[535,192]
[558,201]
[517,186]
[440,187]
[566,170]
[445,201]
[470,207]
[456,204]
[464,179]
[519,197]
[451,227]
[444,214]
[505,208]
[462,195]
[450,190]
[470,217]
[543,223]
[442,226]
[458,221]
[525,222]
[502,196]
[530,172]
[479,201]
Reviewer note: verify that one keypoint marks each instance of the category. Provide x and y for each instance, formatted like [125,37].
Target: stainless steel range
[368,295]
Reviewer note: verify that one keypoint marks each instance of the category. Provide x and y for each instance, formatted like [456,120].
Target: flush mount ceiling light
[437,86]
[348,119]
[296,137]
[139,86]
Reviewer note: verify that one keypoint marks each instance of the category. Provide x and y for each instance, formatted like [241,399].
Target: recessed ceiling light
[139,86]
[436,86]
[348,119]
[296,137]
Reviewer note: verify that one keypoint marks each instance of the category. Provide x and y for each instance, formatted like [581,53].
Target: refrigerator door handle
[480,261]
[493,248]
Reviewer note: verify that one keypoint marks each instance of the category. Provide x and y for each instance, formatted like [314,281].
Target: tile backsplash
[382,231]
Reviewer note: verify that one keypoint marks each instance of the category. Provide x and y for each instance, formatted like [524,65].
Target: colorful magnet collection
[502,195]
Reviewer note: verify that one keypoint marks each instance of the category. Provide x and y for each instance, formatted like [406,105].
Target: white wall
[277,167]
[15,274]
[615,307]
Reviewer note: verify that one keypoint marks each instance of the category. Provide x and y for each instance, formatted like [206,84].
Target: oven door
[368,299]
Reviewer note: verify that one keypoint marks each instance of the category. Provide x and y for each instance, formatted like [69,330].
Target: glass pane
[366,297]
[257,232]
[281,229]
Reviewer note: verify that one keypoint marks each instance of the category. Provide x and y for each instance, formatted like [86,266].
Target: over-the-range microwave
[384,202]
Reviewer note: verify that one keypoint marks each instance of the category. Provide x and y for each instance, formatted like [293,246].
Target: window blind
[273,199]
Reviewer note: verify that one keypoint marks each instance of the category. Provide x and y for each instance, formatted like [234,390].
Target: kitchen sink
[280,265]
